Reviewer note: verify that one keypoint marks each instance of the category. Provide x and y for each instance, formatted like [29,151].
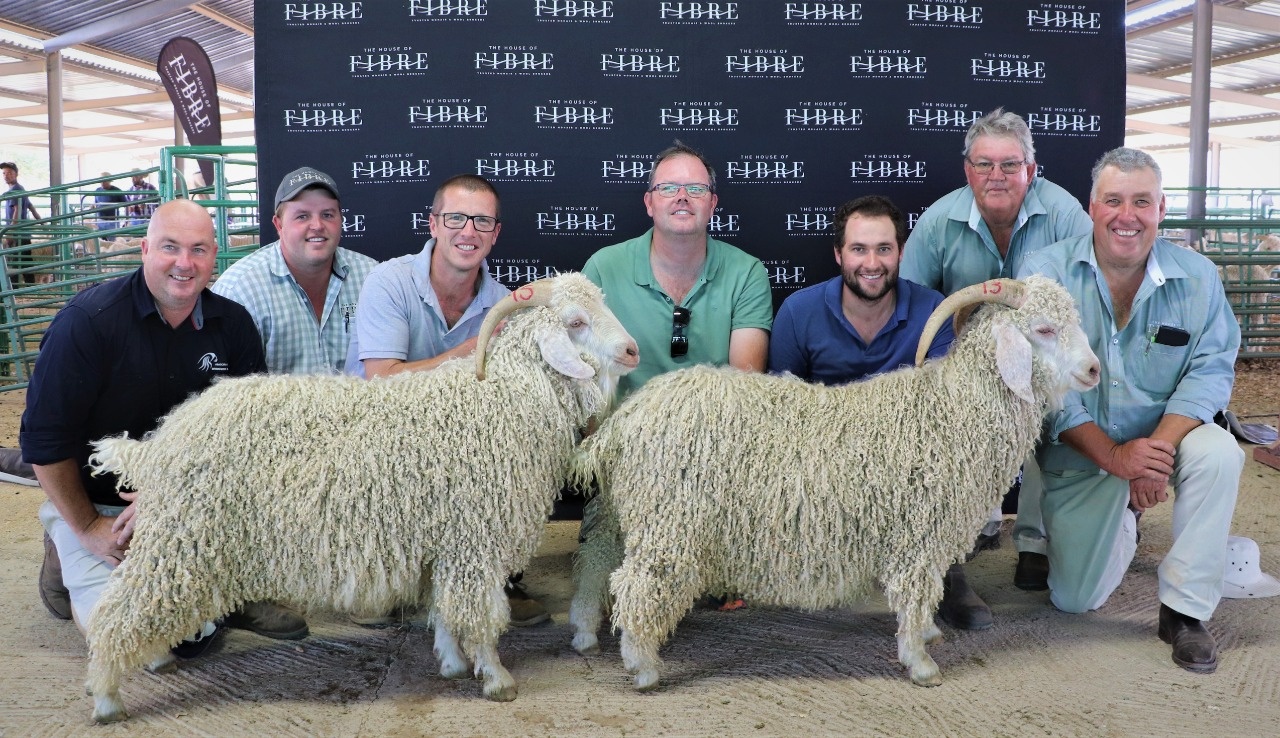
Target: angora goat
[807,496]
[427,488]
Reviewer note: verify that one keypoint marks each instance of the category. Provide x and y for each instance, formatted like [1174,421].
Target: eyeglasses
[671,189]
[679,341]
[458,221]
[1008,167]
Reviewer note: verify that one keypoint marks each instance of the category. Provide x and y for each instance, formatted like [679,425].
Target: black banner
[562,104]
[187,74]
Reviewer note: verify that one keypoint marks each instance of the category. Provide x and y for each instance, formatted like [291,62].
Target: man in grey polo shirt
[419,310]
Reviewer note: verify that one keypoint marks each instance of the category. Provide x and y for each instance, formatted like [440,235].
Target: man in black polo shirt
[116,359]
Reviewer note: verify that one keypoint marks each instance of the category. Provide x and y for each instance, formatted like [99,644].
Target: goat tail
[116,455]
[585,468]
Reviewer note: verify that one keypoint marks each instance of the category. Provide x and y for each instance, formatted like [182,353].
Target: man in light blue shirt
[985,230]
[303,289]
[1158,319]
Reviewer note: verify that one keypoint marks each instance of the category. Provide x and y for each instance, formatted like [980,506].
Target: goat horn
[1009,292]
[530,295]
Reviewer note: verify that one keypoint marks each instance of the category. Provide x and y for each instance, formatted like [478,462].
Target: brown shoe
[268,619]
[524,609]
[53,593]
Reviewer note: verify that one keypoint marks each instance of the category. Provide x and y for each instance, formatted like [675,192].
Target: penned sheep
[427,488]
[802,495]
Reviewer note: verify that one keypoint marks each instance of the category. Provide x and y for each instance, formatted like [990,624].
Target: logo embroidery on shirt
[209,363]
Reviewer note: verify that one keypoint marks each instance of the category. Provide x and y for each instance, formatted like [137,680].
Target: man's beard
[889,283]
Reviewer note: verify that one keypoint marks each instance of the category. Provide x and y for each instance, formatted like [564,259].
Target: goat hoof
[647,680]
[108,710]
[455,671]
[500,692]
[166,664]
[927,679]
[586,644]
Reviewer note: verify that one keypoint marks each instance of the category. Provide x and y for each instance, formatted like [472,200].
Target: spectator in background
[142,203]
[110,194]
[15,210]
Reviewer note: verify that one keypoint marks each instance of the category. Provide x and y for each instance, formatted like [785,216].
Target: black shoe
[1032,573]
[961,607]
[199,645]
[1193,647]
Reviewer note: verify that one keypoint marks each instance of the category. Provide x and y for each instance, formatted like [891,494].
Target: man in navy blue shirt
[864,322]
[116,359]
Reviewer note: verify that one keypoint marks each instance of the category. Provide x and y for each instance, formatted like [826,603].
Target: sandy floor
[756,671]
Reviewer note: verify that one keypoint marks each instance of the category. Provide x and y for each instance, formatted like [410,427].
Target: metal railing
[1247,253]
[81,241]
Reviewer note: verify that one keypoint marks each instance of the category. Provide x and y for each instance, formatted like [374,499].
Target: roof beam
[224,20]
[96,104]
[1249,20]
[1215,93]
[1225,59]
[150,145]
[123,128]
[1182,132]
[128,20]
[31,66]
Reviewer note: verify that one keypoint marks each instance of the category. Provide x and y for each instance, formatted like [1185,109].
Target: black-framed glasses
[679,341]
[1008,167]
[458,221]
[671,189]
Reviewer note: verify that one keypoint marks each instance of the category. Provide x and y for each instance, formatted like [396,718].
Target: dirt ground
[754,672]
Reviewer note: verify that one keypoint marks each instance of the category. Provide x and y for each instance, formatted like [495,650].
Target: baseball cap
[300,179]
[1243,578]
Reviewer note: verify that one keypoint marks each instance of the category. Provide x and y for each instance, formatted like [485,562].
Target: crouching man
[1158,319]
[116,359]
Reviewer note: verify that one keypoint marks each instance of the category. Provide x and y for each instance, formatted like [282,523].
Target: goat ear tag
[558,351]
[1013,360]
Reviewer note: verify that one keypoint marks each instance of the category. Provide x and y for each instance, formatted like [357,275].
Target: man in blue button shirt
[867,321]
[1158,319]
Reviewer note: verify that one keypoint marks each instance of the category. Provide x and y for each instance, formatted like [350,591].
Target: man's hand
[1145,492]
[1142,458]
[123,524]
[100,540]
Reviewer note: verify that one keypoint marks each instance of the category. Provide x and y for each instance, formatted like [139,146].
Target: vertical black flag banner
[187,74]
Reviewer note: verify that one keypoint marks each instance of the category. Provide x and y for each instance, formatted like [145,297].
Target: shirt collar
[642,267]
[277,266]
[144,303]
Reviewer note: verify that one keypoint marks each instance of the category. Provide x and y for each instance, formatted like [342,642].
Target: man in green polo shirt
[685,297]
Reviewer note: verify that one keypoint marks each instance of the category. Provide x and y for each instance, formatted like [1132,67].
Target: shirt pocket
[1158,368]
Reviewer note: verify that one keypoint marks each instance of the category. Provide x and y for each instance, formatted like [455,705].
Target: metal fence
[80,240]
